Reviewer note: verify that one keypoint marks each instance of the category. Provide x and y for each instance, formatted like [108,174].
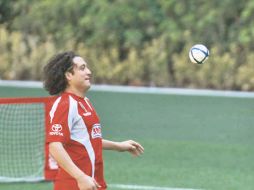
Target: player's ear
[68,75]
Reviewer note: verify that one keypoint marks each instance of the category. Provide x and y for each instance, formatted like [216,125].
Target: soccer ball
[198,53]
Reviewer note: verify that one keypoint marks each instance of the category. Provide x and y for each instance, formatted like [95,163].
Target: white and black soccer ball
[198,54]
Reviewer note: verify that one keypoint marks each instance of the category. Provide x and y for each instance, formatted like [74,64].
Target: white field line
[173,91]
[149,90]
[140,187]
[22,179]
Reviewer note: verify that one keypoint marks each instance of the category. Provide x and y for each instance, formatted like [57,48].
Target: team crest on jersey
[96,131]
[56,130]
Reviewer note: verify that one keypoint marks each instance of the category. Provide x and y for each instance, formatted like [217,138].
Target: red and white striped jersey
[75,123]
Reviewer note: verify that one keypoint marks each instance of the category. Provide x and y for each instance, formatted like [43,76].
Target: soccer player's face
[81,74]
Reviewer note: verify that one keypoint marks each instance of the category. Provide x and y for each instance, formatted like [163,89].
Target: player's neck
[75,91]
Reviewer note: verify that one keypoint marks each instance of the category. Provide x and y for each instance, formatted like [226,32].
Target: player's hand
[131,146]
[86,182]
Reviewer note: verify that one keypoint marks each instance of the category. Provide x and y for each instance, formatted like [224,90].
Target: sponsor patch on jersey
[96,131]
[56,130]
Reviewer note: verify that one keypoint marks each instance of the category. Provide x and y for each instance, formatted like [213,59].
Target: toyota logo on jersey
[56,130]
[96,131]
[56,127]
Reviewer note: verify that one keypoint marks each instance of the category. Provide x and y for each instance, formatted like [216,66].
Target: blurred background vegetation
[128,42]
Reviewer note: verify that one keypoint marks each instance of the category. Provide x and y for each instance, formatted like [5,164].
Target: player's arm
[131,146]
[63,159]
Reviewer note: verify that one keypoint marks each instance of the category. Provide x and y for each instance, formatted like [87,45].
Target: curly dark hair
[55,81]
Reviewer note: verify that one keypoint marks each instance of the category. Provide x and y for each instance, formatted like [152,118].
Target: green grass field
[194,142]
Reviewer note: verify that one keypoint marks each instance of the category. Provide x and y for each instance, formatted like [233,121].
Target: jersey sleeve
[58,128]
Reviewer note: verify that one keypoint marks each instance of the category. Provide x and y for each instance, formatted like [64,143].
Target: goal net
[23,122]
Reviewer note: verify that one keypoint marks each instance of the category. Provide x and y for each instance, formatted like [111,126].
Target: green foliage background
[132,42]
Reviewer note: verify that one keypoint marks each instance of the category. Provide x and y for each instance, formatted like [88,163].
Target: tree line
[129,42]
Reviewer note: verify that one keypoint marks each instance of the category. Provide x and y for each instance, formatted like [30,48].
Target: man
[74,137]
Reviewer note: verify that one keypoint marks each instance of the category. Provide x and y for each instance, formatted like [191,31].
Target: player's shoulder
[88,100]
[62,100]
